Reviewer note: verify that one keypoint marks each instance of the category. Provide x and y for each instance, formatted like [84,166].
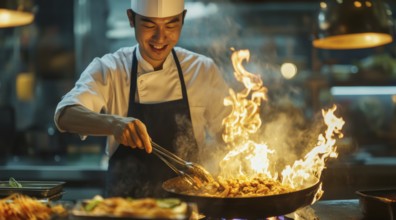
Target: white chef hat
[157,8]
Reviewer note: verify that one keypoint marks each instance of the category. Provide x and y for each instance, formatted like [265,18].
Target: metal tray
[77,213]
[38,189]
[378,204]
[51,198]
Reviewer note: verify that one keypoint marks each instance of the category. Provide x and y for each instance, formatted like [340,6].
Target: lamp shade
[353,24]
[15,13]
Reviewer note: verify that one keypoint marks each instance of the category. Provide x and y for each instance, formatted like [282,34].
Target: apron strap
[181,77]
[133,86]
[183,85]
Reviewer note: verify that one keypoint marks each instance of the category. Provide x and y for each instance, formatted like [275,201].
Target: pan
[244,207]
[37,189]
[378,203]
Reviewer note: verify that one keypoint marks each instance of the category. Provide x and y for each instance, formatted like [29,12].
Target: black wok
[244,207]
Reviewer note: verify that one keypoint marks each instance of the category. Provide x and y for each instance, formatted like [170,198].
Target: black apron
[134,172]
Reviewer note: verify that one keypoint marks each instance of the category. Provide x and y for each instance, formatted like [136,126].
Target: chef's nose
[160,34]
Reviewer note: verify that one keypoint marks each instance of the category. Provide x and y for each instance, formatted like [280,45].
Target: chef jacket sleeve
[90,91]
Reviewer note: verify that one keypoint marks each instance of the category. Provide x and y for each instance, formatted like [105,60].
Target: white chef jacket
[104,87]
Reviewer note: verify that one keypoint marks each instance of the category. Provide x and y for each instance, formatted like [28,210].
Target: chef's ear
[131,17]
[184,15]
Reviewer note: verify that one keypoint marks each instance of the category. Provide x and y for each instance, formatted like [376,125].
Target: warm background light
[357,4]
[15,13]
[353,24]
[288,70]
[10,18]
[25,86]
[353,41]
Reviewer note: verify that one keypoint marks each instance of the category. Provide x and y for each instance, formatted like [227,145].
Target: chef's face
[156,36]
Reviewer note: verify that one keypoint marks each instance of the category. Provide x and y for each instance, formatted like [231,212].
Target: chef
[152,91]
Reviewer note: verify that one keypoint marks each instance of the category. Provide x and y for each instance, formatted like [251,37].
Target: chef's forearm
[127,131]
[80,120]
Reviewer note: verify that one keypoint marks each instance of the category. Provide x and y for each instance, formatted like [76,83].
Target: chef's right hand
[132,132]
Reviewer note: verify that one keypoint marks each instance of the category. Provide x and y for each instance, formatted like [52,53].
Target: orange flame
[250,158]
[244,118]
[243,121]
[310,169]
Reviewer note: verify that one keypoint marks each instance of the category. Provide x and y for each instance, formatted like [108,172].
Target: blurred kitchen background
[41,61]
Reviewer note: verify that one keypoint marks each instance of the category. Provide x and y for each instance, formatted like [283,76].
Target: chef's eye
[148,26]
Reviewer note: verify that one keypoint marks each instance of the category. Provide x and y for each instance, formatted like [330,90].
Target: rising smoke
[285,127]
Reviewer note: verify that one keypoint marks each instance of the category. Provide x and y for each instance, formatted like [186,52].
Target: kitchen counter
[334,209]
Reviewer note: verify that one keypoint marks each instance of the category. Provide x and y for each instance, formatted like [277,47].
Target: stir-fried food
[241,187]
[22,207]
[139,208]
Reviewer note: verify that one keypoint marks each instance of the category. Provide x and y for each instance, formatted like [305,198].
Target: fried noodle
[141,208]
[241,187]
[22,207]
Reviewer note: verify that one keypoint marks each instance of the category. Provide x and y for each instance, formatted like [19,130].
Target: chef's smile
[158,48]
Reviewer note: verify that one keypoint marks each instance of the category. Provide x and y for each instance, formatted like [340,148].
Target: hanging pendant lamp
[353,24]
[15,13]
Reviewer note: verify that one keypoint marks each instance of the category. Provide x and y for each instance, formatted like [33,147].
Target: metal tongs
[191,172]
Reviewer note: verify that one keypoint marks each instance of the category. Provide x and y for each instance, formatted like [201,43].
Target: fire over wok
[270,198]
